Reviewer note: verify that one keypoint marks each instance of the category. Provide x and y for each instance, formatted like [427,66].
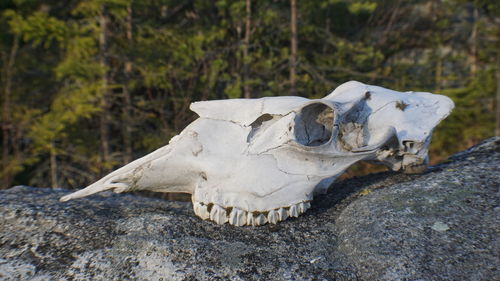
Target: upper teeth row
[240,217]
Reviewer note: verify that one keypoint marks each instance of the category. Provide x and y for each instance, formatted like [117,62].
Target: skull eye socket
[314,124]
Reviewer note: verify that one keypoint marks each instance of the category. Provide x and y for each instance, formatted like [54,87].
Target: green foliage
[36,28]
[159,56]
[474,116]
[362,7]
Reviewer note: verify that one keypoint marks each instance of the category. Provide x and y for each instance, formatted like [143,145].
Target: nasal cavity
[411,146]
[313,124]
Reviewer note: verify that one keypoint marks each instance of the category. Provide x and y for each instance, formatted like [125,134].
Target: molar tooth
[200,210]
[282,214]
[238,217]
[196,207]
[218,214]
[204,214]
[260,220]
[293,211]
[250,219]
[273,217]
[303,206]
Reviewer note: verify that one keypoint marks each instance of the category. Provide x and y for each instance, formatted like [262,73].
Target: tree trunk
[439,73]
[246,44]
[127,128]
[6,114]
[473,42]
[53,167]
[104,116]
[293,47]
[497,107]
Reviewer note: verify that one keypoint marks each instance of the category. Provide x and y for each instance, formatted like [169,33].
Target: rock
[388,226]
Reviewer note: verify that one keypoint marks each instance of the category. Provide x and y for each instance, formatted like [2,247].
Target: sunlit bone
[254,161]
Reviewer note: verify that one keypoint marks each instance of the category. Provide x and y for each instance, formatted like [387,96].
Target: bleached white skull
[253,161]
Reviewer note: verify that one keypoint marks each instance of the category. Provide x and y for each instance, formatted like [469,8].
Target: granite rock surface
[440,225]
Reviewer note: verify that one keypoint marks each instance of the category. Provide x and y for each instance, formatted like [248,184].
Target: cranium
[254,161]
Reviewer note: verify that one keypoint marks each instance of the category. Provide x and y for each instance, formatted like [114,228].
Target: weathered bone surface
[258,161]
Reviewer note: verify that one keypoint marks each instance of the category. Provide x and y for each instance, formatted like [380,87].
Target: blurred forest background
[89,85]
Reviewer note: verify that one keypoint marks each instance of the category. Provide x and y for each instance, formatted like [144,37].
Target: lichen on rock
[388,233]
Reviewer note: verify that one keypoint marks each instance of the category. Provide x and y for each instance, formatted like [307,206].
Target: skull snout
[415,158]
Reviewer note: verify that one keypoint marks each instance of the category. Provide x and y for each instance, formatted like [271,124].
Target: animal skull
[254,161]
